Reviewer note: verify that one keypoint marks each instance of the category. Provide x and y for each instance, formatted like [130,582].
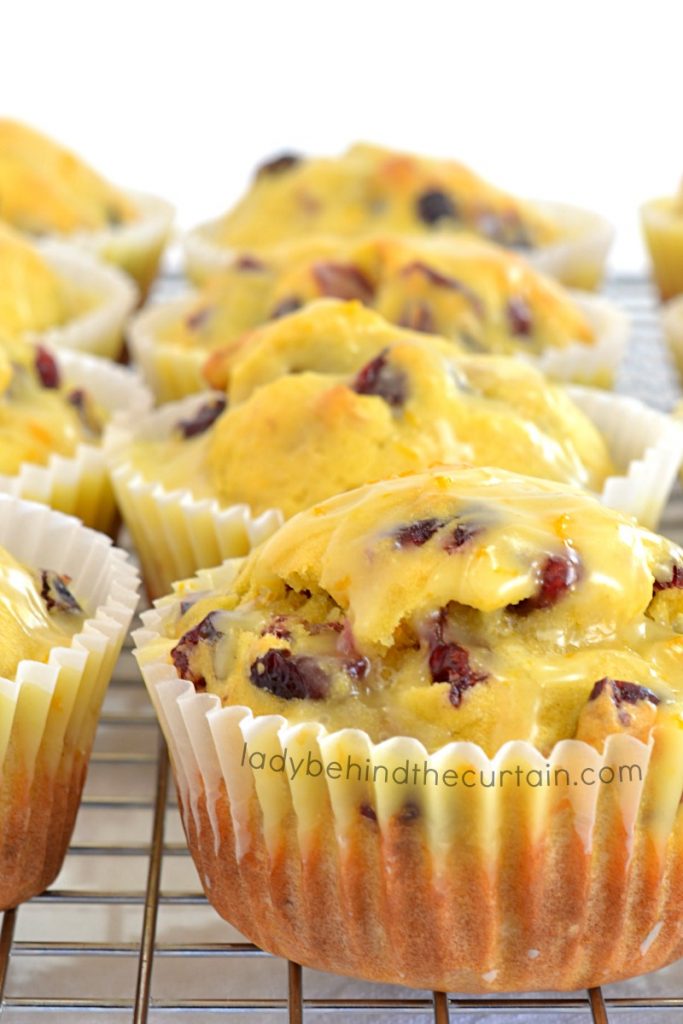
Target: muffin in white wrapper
[107,297]
[174,371]
[79,484]
[477,888]
[135,247]
[176,534]
[672,322]
[49,711]
[578,259]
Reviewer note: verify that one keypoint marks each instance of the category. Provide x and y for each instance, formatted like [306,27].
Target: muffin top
[457,604]
[32,296]
[370,188]
[37,612]
[462,288]
[41,414]
[46,189]
[402,402]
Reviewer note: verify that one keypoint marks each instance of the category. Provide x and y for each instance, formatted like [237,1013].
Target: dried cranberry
[444,281]
[286,306]
[204,632]
[289,677]
[46,368]
[450,663]
[463,533]
[558,575]
[248,262]
[409,812]
[278,627]
[675,582]
[276,164]
[520,319]
[418,316]
[194,321]
[204,417]
[343,281]
[358,669]
[418,533]
[55,592]
[368,812]
[435,205]
[380,378]
[622,692]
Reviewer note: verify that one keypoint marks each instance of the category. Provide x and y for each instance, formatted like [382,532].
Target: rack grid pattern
[126,933]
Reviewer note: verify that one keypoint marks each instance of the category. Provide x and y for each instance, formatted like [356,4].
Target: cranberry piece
[55,592]
[358,669]
[418,316]
[435,205]
[343,281]
[435,277]
[559,573]
[286,306]
[278,627]
[196,320]
[379,378]
[289,677]
[277,164]
[46,368]
[204,417]
[520,319]
[622,692]
[675,582]
[450,663]
[204,632]
[409,812]
[368,812]
[463,533]
[249,262]
[418,533]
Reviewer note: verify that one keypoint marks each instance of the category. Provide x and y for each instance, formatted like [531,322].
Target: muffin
[46,190]
[662,223]
[429,733]
[458,286]
[672,324]
[54,406]
[370,189]
[336,397]
[56,294]
[68,598]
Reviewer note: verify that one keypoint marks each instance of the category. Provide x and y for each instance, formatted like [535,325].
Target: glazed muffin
[61,296]
[370,189]
[442,716]
[54,407]
[67,602]
[46,190]
[662,222]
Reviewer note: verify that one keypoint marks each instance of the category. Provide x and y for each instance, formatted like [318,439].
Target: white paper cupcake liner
[48,711]
[474,888]
[99,330]
[79,484]
[578,260]
[175,371]
[136,247]
[175,534]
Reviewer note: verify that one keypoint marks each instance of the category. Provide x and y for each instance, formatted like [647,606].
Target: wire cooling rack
[125,933]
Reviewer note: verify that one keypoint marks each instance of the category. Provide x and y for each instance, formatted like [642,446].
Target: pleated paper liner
[578,260]
[108,298]
[80,484]
[174,371]
[357,864]
[136,247]
[49,711]
[175,534]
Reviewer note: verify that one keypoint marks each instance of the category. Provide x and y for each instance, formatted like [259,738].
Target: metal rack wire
[126,932]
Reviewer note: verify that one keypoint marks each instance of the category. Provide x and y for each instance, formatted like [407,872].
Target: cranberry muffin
[662,223]
[442,715]
[372,189]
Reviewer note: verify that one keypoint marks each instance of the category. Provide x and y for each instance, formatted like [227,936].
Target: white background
[579,101]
